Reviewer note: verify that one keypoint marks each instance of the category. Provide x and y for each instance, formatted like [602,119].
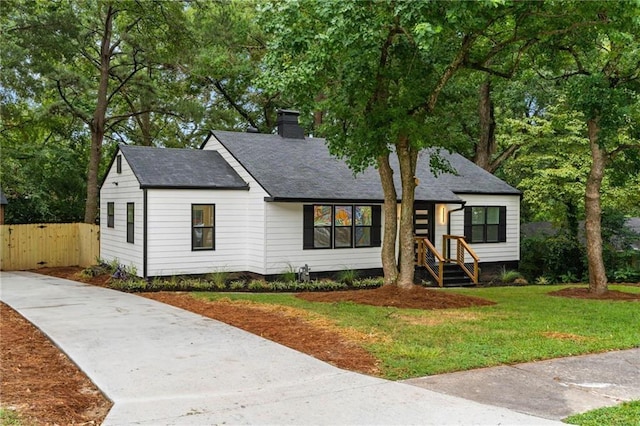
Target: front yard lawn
[525,324]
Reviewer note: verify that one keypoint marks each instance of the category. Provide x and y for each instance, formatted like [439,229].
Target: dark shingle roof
[181,168]
[304,170]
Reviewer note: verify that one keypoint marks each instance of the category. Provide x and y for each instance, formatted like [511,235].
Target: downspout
[464,203]
[144,233]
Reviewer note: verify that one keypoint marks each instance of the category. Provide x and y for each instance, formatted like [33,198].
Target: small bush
[131,285]
[510,276]
[237,285]
[218,279]
[368,283]
[348,276]
[626,275]
[542,281]
[258,285]
[289,274]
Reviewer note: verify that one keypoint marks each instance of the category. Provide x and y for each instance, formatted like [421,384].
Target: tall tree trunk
[593,210]
[486,146]
[389,264]
[98,122]
[407,157]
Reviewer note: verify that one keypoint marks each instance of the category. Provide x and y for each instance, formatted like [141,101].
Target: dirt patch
[565,336]
[40,382]
[583,293]
[415,297]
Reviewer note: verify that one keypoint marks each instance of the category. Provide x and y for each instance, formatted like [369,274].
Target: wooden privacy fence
[35,246]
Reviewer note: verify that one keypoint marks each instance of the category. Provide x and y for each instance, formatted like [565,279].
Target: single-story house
[270,203]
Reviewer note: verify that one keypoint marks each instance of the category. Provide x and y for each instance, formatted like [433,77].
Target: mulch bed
[40,382]
[583,293]
[415,297]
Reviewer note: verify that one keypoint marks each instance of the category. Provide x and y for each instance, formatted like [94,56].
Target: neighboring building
[261,203]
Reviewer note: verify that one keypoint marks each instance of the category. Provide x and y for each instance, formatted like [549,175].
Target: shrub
[348,276]
[368,283]
[542,281]
[509,276]
[218,279]
[289,274]
[237,285]
[258,285]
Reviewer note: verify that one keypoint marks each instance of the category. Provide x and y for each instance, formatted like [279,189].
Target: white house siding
[493,252]
[284,241]
[113,241]
[169,232]
[255,225]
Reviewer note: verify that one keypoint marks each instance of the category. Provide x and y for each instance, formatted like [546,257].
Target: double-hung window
[203,227]
[110,215]
[485,224]
[130,221]
[341,226]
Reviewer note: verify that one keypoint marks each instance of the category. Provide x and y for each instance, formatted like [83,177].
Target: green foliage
[289,274]
[9,417]
[348,276]
[368,283]
[218,278]
[553,257]
[626,274]
[509,276]
[625,414]
[542,281]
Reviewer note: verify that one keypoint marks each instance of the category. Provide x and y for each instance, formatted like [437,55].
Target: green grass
[625,414]
[525,325]
[9,417]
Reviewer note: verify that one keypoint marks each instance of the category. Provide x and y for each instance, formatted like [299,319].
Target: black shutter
[467,224]
[502,227]
[307,227]
[376,225]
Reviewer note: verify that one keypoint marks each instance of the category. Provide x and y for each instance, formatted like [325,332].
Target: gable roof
[181,168]
[295,169]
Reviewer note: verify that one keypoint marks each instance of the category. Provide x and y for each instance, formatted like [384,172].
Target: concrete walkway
[161,365]
[553,389]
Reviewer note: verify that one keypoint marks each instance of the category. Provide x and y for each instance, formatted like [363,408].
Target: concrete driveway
[161,365]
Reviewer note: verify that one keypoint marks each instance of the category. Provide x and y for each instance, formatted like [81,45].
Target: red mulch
[40,382]
[583,293]
[415,297]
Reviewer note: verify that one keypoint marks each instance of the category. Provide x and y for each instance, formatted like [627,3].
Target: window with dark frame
[341,226]
[203,226]
[485,224]
[130,221]
[110,214]
[118,163]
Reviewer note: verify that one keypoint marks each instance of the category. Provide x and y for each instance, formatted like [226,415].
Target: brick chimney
[288,126]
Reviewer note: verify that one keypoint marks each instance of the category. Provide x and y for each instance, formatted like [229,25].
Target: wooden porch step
[454,276]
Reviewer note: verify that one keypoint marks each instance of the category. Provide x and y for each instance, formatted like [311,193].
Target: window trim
[212,227]
[111,213]
[131,213]
[309,227]
[469,226]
